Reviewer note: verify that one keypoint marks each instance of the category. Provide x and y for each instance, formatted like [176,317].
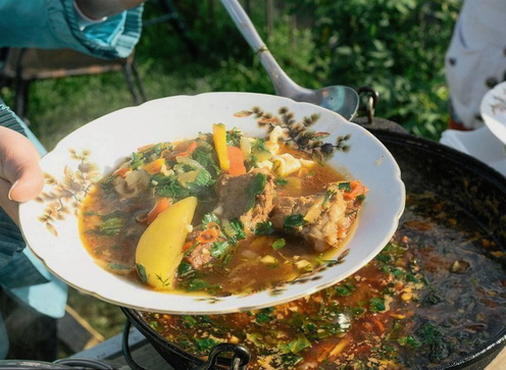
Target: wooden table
[144,354]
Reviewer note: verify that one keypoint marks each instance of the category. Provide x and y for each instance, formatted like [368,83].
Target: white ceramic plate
[50,227]
[493,111]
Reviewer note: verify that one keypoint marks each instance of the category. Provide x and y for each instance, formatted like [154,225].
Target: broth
[229,249]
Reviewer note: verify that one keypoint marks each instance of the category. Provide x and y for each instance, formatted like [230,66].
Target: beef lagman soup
[222,213]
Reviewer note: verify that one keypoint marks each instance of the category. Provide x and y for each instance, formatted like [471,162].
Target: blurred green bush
[395,46]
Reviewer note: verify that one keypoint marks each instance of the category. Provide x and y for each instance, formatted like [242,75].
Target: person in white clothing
[476,59]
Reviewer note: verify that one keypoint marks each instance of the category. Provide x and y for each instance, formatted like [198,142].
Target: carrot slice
[122,171]
[189,150]
[154,166]
[208,236]
[161,205]
[357,188]
[236,159]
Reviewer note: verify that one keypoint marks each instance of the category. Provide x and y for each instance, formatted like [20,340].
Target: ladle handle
[282,83]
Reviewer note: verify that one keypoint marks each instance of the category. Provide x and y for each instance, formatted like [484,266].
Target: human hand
[98,9]
[20,174]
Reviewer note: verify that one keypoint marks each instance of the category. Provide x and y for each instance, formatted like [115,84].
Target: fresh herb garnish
[185,269]
[234,137]
[137,160]
[296,345]
[219,249]
[255,187]
[281,181]
[294,221]
[291,359]
[168,186]
[209,217]
[264,228]
[259,145]
[202,180]
[189,321]
[264,316]
[141,271]
[110,227]
[205,344]
[206,158]
[344,289]
[409,341]
[377,304]
[344,186]
[234,230]
[278,244]
[329,194]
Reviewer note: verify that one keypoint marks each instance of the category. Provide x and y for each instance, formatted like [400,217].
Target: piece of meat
[200,256]
[326,217]
[237,198]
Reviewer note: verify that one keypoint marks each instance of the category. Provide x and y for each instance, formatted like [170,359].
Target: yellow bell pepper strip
[154,166]
[220,145]
[160,248]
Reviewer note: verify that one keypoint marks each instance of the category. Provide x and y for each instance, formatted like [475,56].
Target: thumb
[19,166]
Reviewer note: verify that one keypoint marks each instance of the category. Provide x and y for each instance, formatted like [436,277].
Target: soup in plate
[222,213]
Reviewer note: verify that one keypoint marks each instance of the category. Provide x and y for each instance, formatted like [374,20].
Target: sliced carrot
[143,148]
[161,205]
[154,166]
[357,188]
[379,325]
[236,158]
[208,236]
[187,245]
[122,171]
[189,150]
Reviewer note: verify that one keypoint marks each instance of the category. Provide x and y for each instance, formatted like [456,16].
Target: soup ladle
[340,99]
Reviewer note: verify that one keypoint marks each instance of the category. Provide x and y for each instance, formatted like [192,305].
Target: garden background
[395,46]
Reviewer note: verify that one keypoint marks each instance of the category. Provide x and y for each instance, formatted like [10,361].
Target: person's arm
[54,24]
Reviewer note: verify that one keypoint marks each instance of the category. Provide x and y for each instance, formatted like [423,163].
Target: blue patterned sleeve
[54,24]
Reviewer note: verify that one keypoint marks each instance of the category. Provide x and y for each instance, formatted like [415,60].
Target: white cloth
[477,53]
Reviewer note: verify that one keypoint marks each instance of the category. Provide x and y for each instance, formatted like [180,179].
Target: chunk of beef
[324,219]
[200,256]
[248,197]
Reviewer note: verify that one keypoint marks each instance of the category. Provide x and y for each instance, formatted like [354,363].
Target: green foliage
[395,46]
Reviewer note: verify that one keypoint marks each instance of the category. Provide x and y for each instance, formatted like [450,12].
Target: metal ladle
[340,99]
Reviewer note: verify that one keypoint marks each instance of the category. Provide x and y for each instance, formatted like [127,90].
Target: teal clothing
[50,24]
[54,24]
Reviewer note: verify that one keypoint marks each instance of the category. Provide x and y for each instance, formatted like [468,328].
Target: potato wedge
[160,248]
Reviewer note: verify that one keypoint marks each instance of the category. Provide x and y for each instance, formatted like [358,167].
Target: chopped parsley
[110,227]
[264,228]
[141,271]
[278,244]
[137,160]
[345,186]
[377,304]
[281,181]
[219,249]
[255,187]
[294,221]
[234,230]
